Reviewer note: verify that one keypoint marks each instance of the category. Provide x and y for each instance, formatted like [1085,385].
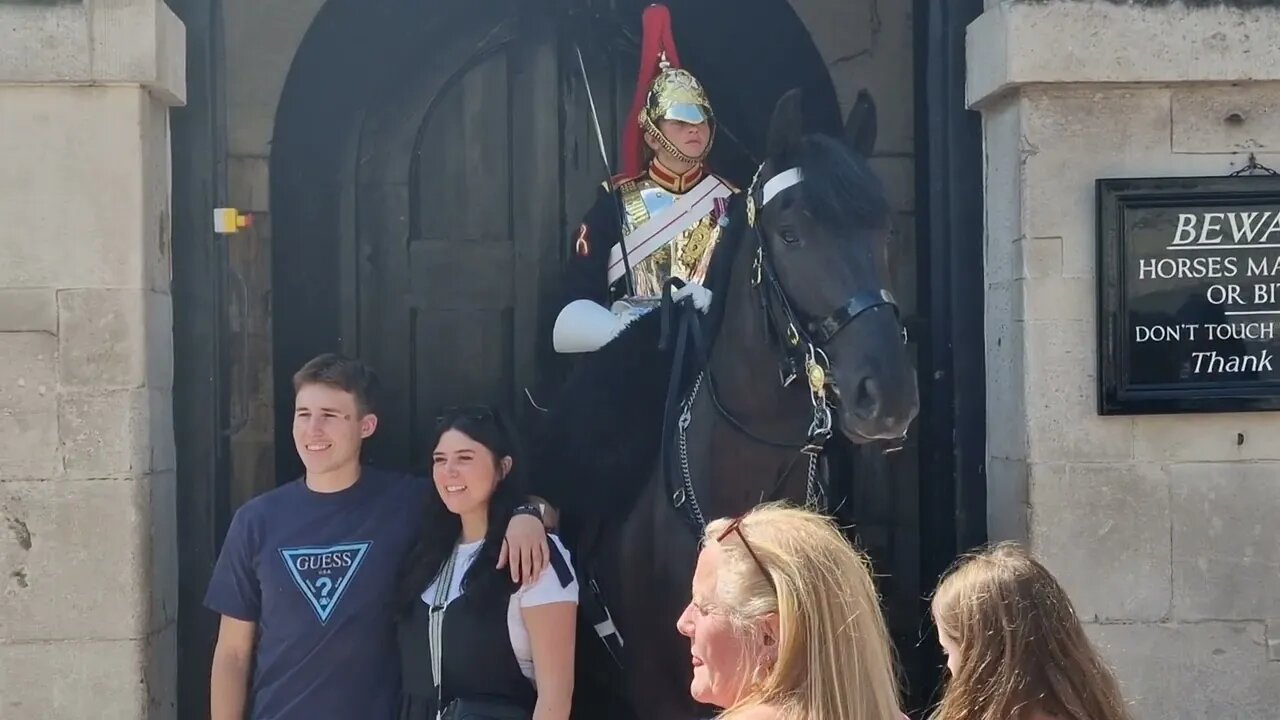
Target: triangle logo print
[324,573]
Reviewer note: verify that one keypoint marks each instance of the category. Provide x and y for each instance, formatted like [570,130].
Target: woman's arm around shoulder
[550,612]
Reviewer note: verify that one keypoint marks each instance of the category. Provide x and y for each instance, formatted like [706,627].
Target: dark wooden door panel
[459,273]
[461,244]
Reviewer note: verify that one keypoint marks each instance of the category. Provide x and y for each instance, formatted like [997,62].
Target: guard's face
[689,138]
[723,661]
[465,473]
[328,428]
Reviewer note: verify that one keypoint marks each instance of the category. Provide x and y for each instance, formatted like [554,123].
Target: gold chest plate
[686,256]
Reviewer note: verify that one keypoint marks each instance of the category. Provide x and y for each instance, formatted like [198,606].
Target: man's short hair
[344,373]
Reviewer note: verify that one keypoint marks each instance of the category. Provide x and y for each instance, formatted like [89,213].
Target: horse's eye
[789,236]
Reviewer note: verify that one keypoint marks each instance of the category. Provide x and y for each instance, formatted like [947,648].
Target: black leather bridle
[799,341]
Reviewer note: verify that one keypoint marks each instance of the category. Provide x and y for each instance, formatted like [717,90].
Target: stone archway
[380,222]
[367,82]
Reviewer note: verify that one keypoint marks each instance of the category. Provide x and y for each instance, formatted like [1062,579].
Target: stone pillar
[1163,529]
[88,543]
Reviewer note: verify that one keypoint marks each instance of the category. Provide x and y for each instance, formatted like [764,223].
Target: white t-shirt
[544,591]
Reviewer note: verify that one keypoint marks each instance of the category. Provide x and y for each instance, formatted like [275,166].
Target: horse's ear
[785,127]
[860,127]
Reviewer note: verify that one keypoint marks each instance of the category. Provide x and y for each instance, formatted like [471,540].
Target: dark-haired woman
[502,651]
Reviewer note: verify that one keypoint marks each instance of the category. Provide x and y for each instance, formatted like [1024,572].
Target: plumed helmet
[664,91]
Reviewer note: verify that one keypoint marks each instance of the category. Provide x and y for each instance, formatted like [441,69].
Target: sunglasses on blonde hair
[735,526]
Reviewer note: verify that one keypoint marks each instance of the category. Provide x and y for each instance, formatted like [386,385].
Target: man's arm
[232,660]
[525,547]
[586,272]
[235,594]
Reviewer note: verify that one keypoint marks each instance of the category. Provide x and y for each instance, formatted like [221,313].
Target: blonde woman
[1015,649]
[785,623]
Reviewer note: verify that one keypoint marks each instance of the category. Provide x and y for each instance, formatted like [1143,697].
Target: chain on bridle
[799,341]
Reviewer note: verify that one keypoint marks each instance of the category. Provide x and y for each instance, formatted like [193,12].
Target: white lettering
[1158,333]
[1243,227]
[1240,331]
[1263,266]
[1275,227]
[1224,294]
[1212,221]
[324,562]
[1186,224]
[1207,228]
[1187,267]
[1265,293]
[1212,362]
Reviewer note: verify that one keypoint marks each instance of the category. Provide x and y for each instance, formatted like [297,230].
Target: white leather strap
[659,230]
[778,183]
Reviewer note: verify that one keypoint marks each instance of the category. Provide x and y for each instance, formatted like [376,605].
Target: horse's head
[823,228]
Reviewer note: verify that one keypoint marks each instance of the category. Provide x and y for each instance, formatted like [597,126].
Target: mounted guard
[604,429]
[664,208]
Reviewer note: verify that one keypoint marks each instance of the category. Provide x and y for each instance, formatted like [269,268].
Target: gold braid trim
[633,202]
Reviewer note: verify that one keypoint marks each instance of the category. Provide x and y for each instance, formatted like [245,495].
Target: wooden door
[468,178]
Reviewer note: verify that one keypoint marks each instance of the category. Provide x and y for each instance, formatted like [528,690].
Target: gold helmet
[676,94]
[664,91]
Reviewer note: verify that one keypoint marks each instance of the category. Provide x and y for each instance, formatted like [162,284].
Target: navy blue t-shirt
[316,572]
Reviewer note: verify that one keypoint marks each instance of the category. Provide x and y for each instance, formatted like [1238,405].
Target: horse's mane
[840,189]
[720,269]
[839,186]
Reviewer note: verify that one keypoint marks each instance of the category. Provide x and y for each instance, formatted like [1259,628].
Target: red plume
[656,40]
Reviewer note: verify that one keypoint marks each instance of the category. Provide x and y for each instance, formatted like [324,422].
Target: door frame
[950,218]
[201,380]
[949,191]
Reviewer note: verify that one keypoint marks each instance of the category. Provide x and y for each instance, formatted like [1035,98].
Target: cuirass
[686,256]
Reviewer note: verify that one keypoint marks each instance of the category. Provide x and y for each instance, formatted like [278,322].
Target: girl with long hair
[1015,648]
[785,622]
[472,642]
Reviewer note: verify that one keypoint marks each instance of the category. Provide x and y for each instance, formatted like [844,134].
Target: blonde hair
[1021,647]
[834,658]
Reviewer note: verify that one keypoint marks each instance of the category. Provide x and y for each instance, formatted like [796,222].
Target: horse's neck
[745,366]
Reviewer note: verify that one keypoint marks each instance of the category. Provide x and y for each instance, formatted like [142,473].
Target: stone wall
[1162,528]
[88,543]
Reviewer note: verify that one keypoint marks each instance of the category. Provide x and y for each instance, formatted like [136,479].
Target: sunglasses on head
[735,526]
[467,412]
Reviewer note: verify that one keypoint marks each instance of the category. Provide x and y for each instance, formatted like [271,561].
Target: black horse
[803,340]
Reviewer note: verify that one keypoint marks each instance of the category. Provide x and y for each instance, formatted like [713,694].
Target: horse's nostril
[866,399]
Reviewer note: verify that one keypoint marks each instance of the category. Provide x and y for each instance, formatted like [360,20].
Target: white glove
[700,295]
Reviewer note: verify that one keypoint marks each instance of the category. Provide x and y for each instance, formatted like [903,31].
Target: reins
[799,344]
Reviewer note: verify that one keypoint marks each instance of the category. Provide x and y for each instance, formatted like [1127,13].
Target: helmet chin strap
[652,131]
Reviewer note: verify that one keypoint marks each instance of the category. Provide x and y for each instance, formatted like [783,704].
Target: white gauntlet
[583,326]
[701,296]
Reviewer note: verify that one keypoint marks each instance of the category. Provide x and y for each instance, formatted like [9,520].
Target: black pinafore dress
[478,662]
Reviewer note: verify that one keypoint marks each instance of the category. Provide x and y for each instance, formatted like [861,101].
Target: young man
[305,578]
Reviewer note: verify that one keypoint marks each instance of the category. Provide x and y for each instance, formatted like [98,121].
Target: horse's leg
[657,554]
